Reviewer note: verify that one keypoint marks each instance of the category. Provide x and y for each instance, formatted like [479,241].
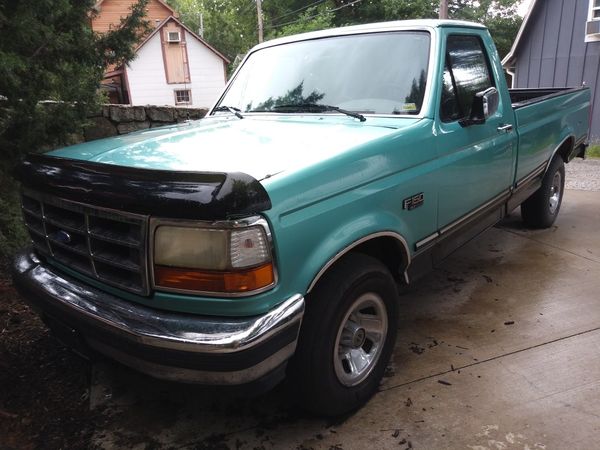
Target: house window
[592,31]
[183,97]
[594,9]
[173,36]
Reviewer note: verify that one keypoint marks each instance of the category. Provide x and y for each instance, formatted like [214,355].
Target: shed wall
[553,52]
[148,83]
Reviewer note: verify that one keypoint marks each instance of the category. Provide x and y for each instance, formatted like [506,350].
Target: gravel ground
[583,175]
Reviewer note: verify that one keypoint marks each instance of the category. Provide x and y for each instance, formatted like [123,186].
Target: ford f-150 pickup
[270,238]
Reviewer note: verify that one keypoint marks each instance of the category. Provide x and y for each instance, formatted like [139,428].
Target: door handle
[505,128]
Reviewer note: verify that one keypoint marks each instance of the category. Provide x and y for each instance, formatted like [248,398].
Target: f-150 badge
[413,202]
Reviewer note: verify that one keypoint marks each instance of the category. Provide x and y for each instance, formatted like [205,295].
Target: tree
[229,25]
[54,57]
[500,16]
[51,66]
[312,19]
[384,10]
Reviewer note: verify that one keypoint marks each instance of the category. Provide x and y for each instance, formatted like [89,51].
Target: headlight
[229,258]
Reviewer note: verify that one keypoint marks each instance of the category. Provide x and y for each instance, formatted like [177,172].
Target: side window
[466,73]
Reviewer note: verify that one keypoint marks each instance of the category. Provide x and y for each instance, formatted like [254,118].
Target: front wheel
[347,337]
[541,209]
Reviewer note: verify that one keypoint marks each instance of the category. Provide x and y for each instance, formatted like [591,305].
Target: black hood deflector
[161,193]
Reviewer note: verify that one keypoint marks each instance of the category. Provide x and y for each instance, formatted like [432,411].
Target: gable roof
[163,3]
[176,20]
[509,59]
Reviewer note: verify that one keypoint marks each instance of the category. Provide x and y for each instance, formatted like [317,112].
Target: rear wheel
[347,337]
[541,209]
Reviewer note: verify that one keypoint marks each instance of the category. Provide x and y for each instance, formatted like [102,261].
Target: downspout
[511,72]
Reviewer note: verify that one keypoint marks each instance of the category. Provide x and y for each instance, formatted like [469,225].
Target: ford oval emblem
[63,237]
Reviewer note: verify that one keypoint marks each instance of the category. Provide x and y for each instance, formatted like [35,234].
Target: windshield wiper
[305,107]
[231,109]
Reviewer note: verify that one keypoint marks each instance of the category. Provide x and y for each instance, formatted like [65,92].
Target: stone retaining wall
[122,119]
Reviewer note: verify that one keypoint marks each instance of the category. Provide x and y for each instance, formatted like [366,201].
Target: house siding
[553,52]
[148,83]
[208,73]
[112,11]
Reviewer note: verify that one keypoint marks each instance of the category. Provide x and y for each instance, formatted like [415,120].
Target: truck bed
[545,118]
[524,97]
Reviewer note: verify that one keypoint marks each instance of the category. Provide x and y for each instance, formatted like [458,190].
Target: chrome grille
[107,245]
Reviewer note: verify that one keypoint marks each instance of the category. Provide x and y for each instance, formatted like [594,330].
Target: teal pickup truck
[270,238]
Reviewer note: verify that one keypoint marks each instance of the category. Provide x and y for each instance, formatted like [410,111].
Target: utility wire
[250,6]
[297,10]
[314,16]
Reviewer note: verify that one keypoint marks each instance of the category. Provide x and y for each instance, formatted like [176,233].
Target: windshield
[380,73]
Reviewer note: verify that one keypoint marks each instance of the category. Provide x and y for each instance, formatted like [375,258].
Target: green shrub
[593,151]
[50,72]
[12,231]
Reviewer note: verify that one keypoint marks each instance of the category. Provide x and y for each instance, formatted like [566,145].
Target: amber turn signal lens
[214,281]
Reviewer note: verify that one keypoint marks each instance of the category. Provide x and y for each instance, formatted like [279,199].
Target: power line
[250,6]
[314,16]
[297,10]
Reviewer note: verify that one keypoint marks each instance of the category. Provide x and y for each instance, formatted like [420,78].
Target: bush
[593,151]
[12,232]
[50,72]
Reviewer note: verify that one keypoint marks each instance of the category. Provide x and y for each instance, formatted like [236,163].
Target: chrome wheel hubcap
[360,339]
[555,193]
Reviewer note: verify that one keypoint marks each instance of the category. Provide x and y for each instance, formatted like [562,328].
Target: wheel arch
[564,150]
[389,247]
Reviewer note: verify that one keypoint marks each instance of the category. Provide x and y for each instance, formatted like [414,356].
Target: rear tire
[347,337]
[541,209]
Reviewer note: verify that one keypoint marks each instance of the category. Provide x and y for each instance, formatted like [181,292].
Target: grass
[593,151]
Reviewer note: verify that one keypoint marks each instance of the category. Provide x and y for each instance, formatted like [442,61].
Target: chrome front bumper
[166,345]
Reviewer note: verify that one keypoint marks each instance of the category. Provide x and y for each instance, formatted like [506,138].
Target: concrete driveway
[498,349]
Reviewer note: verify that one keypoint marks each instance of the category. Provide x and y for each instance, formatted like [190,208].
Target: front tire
[347,337]
[541,209]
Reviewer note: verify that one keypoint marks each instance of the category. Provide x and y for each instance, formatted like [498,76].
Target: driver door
[476,160]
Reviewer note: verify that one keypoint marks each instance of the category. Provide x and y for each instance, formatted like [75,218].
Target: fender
[347,236]
[355,244]
[558,147]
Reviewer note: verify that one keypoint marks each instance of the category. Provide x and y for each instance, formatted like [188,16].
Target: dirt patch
[44,395]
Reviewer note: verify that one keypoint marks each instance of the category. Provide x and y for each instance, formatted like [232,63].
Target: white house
[175,66]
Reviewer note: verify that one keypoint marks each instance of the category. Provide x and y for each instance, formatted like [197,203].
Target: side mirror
[485,105]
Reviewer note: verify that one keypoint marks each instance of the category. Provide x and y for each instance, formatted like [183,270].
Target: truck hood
[258,146]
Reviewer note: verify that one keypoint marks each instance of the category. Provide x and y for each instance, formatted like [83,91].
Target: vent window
[173,36]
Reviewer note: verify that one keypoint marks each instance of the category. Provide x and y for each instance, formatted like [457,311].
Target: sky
[523,7]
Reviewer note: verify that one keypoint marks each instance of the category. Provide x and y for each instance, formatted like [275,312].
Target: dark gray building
[559,46]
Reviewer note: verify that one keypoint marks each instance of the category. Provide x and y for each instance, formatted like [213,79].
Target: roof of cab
[370,28]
